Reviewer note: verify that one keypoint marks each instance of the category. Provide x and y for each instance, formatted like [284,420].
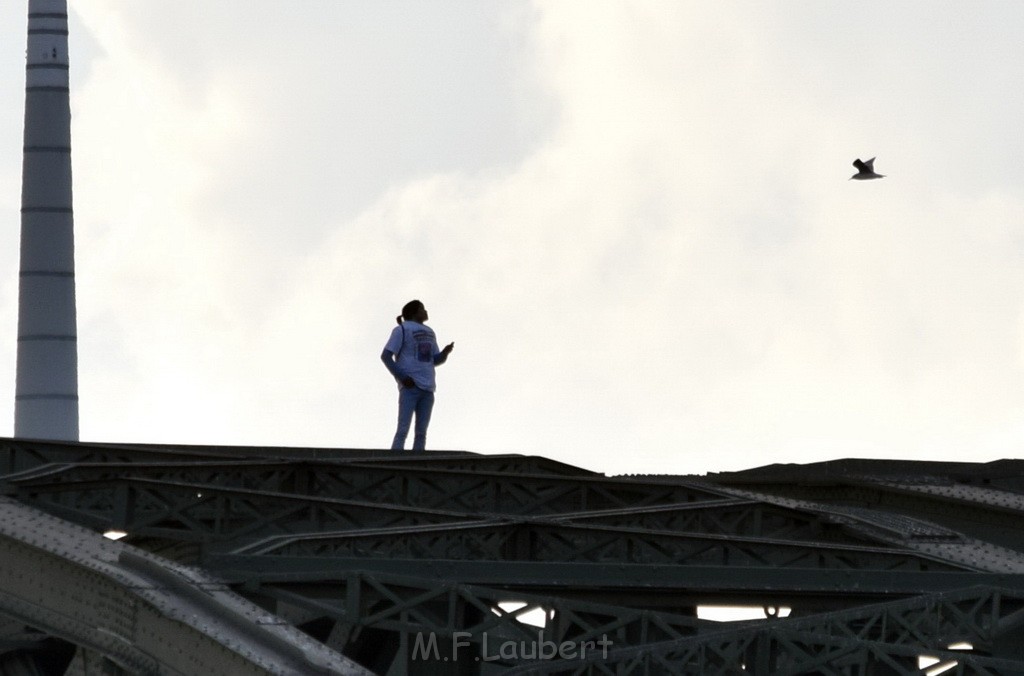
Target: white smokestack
[46,401]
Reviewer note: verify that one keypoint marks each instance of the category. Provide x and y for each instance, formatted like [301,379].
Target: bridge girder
[369,552]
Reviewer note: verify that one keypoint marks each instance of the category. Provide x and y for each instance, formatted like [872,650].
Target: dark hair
[409,310]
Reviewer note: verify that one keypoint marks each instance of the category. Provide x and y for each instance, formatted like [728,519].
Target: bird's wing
[860,165]
[870,164]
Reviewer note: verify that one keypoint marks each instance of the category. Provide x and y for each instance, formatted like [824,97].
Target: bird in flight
[865,170]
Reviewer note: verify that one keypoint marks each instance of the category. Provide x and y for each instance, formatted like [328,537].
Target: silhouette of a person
[411,354]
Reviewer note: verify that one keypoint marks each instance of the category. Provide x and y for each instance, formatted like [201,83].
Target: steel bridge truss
[455,563]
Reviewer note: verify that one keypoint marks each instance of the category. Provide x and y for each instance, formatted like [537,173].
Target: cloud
[633,219]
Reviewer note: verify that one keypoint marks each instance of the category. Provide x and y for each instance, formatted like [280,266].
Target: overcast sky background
[633,218]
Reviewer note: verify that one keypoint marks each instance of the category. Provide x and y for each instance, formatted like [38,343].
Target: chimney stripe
[61,397]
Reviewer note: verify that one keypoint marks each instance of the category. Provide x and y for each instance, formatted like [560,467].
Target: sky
[633,218]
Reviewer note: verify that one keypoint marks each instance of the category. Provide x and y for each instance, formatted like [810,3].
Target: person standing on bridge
[411,354]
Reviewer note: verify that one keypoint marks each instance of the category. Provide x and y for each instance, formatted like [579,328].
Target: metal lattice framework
[458,563]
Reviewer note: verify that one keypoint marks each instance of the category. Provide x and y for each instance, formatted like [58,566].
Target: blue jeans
[413,400]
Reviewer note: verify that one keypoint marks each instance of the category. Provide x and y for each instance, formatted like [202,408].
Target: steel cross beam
[360,599]
[509,541]
[213,511]
[701,510]
[992,513]
[397,483]
[183,512]
[893,635]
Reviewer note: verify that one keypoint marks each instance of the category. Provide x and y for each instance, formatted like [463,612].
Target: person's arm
[388,357]
[442,356]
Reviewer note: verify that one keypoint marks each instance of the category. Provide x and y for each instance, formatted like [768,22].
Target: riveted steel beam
[142,613]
